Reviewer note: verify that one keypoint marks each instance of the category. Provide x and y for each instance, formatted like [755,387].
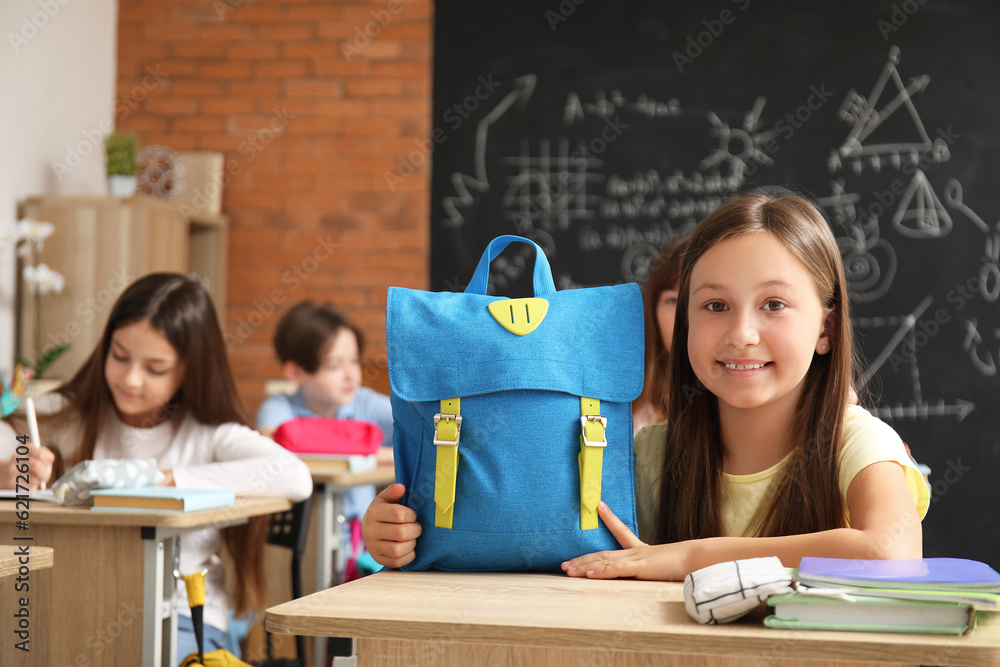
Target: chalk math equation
[570,189]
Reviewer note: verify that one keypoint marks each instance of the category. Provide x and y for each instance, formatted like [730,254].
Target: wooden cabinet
[100,245]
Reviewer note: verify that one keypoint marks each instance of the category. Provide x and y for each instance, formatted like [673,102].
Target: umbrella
[195,584]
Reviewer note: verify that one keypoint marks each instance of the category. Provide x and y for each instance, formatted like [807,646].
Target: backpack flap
[443,344]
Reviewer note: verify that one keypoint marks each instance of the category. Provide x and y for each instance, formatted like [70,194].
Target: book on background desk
[45,496]
[161,499]
[862,613]
[334,463]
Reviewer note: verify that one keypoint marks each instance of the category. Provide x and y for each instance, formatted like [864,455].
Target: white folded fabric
[724,592]
[75,486]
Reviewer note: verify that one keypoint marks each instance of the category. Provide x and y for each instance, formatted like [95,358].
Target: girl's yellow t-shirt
[867,440]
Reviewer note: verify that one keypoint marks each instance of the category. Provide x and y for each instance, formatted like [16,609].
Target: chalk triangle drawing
[867,117]
[920,214]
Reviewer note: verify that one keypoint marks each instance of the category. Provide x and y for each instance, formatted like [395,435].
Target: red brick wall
[312,102]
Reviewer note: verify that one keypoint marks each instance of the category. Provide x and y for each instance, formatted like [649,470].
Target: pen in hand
[36,441]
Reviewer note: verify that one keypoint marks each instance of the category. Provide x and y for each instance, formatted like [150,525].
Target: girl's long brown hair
[666,274]
[182,311]
[806,496]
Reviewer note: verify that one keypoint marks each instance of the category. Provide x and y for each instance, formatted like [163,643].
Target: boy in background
[320,350]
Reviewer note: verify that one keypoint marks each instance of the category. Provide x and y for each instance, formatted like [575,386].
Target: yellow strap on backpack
[447,430]
[593,440]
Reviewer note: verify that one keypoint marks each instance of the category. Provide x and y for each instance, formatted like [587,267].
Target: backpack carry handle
[541,279]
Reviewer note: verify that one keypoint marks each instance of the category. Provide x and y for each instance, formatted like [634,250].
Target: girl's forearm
[838,543]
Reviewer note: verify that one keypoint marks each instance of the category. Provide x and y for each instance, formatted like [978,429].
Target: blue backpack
[513,418]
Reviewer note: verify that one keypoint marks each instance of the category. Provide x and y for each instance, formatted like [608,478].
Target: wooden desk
[549,620]
[330,482]
[111,600]
[39,558]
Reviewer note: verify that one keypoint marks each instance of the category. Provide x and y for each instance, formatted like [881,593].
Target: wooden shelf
[100,245]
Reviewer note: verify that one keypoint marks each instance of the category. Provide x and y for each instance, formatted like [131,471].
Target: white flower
[44,280]
[34,232]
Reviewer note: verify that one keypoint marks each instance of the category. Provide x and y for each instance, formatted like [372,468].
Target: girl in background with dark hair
[159,386]
[660,306]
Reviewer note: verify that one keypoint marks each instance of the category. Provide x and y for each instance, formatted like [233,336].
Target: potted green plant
[122,150]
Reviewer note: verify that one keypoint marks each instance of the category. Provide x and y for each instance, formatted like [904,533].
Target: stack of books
[923,595]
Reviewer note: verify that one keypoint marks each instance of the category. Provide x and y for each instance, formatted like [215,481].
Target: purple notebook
[917,573]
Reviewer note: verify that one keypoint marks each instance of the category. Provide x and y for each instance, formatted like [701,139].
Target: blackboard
[603,130]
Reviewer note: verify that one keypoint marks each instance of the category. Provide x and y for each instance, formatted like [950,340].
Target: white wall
[57,89]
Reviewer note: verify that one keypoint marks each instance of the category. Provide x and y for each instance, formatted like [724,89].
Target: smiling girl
[762,454]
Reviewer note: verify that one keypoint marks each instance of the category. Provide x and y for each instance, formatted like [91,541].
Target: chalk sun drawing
[740,146]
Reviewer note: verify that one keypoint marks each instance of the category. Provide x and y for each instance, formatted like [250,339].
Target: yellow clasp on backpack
[519,316]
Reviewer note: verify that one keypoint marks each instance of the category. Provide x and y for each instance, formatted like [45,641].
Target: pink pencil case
[329,437]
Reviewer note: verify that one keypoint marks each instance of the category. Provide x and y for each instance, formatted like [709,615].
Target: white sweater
[229,456]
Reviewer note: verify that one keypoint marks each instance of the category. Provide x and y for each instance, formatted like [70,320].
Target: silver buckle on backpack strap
[458,428]
[583,430]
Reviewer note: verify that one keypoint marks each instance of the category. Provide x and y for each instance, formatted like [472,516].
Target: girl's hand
[636,559]
[390,530]
[38,469]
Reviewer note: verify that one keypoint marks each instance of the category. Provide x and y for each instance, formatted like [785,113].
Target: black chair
[289,530]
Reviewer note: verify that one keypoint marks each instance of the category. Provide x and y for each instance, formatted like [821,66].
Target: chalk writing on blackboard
[606,105]
[550,186]
[869,261]
[982,361]
[953,196]
[989,272]
[549,189]
[464,184]
[865,117]
[902,352]
[920,214]
[748,137]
